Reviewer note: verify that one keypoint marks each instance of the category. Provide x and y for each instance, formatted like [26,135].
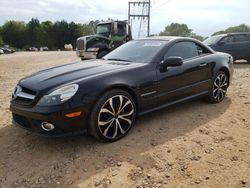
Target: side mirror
[172,61]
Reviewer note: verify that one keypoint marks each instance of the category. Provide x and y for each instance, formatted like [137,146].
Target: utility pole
[141,11]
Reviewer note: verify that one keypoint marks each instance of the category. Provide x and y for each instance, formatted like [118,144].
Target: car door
[190,79]
[240,46]
[227,44]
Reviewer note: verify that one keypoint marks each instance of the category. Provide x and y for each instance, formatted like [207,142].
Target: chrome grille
[80,44]
[23,95]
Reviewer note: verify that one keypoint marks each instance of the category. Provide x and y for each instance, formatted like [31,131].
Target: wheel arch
[225,69]
[124,88]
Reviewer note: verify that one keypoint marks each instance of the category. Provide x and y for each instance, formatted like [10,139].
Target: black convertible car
[104,96]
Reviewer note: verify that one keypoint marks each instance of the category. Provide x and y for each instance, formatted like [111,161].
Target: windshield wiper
[116,59]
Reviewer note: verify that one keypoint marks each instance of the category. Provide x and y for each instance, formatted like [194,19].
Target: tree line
[53,35]
[23,35]
[177,29]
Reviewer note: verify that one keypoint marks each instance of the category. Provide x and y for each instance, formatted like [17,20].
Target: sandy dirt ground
[193,144]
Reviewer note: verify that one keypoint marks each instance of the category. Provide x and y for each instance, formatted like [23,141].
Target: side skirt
[174,102]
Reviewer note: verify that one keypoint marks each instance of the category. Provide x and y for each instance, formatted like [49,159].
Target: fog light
[47,126]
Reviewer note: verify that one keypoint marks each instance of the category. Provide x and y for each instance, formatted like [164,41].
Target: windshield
[212,40]
[141,51]
[103,29]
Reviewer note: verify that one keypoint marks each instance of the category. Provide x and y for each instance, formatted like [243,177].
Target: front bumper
[86,55]
[31,119]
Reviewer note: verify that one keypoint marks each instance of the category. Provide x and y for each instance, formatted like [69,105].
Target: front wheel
[113,116]
[219,87]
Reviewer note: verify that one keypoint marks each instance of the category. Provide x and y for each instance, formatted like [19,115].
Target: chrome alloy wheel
[220,87]
[116,116]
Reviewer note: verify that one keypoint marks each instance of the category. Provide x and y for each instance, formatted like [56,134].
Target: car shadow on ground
[24,154]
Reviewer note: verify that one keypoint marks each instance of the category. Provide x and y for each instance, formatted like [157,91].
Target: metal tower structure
[140,10]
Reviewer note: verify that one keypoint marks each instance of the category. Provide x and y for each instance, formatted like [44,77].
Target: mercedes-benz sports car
[104,96]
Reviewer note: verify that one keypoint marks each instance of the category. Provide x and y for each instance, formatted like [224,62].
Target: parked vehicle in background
[109,35]
[8,49]
[44,48]
[105,95]
[5,50]
[236,44]
[12,50]
[1,51]
[33,49]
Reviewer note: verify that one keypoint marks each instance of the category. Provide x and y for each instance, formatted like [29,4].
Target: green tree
[13,33]
[47,38]
[176,29]
[234,29]
[60,33]
[73,33]
[53,35]
[239,28]
[87,29]
[1,41]
[35,33]
[197,37]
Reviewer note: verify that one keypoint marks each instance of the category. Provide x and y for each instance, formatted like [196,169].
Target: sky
[203,17]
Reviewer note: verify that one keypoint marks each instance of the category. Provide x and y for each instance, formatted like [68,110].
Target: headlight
[59,96]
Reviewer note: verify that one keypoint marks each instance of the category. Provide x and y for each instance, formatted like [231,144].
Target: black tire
[218,88]
[112,116]
[102,54]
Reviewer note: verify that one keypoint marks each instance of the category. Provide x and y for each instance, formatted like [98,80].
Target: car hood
[74,72]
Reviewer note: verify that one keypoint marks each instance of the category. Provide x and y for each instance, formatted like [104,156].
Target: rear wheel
[112,116]
[219,87]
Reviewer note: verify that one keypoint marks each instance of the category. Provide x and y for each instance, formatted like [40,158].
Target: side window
[226,40]
[202,50]
[185,50]
[240,38]
[121,29]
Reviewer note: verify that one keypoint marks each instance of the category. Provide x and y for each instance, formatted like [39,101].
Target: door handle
[203,64]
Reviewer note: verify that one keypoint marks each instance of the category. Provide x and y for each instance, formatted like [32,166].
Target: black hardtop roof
[167,38]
